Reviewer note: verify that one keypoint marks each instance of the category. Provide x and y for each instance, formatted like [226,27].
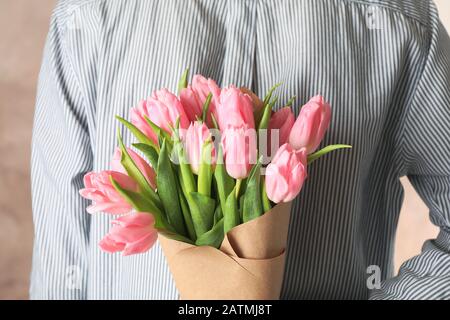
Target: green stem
[313,157]
[264,198]
[205,172]
[206,107]
[183,80]
[238,187]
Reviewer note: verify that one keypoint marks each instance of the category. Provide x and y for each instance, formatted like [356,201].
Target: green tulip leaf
[264,124]
[167,190]
[134,173]
[186,214]
[231,213]
[213,237]
[265,200]
[136,132]
[269,94]
[218,214]
[150,153]
[241,207]
[186,175]
[142,204]
[313,157]
[183,82]
[202,211]
[291,101]
[224,182]
[252,203]
[160,133]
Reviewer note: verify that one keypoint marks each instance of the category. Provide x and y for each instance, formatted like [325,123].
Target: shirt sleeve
[61,155]
[426,162]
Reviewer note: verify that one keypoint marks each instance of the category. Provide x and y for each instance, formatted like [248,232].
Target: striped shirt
[384,66]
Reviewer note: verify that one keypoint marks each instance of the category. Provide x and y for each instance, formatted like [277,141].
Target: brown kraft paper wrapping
[248,266]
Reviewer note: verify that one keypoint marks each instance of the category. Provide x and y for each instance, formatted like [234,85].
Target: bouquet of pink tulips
[213,172]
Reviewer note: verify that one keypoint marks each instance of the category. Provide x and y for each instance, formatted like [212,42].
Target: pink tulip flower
[194,96]
[143,166]
[131,234]
[105,198]
[163,108]
[286,174]
[239,150]
[192,104]
[283,121]
[235,109]
[311,125]
[196,136]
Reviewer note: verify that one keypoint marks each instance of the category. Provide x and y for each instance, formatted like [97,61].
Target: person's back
[383,65]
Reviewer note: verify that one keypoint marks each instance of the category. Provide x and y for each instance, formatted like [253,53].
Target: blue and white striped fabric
[383,65]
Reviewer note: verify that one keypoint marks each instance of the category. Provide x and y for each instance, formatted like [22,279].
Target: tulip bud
[283,121]
[311,125]
[163,108]
[285,174]
[194,97]
[196,136]
[105,198]
[240,151]
[235,109]
[131,234]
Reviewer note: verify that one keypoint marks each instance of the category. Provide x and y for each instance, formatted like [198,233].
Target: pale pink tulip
[283,121]
[194,96]
[192,104]
[143,166]
[239,149]
[311,125]
[105,198]
[131,234]
[196,136]
[235,109]
[286,174]
[163,108]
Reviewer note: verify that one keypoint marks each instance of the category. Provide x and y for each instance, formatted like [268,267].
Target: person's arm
[426,162]
[61,155]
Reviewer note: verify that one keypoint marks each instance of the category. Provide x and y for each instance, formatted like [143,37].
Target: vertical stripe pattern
[384,65]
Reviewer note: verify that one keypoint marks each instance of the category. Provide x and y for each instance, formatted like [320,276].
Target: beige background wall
[23,26]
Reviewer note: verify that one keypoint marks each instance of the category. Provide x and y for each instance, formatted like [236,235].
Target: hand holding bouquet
[218,171]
